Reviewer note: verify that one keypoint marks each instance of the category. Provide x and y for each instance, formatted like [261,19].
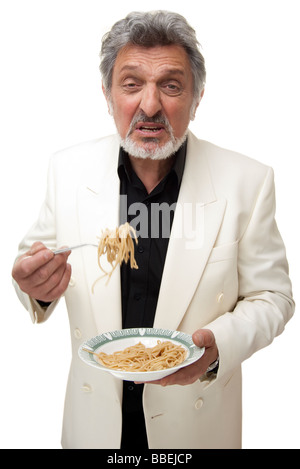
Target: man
[213,266]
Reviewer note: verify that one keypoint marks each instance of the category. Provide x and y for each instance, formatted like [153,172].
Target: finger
[54,287]
[52,277]
[59,289]
[184,376]
[27,265]
[36,247]
[49,271]
[203,338]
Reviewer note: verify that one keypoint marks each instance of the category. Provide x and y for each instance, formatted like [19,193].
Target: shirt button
[137,297]
[140,249]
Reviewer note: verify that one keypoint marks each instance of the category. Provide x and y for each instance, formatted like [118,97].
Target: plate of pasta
[141,354]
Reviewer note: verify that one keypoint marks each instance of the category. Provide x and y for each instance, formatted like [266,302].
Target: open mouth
[149,128]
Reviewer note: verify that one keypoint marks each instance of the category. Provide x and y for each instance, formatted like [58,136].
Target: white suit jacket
[232,278]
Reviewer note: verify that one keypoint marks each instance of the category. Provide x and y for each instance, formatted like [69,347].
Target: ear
[104,91]
[193,112]
[108,100]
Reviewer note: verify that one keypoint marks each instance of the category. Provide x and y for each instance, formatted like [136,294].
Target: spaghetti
[140,358]
[118,246]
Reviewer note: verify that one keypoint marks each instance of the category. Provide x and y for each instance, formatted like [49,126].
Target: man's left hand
[190,374]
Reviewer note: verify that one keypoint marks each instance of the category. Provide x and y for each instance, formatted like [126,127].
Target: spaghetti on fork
[118,246]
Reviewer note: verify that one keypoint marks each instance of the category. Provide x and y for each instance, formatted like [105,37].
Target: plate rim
[138,332]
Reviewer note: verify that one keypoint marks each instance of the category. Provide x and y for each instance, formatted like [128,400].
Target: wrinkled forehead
[159,59]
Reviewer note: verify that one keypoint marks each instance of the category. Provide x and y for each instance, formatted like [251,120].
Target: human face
[151,98]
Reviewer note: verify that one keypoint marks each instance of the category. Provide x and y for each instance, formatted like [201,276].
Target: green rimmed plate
[110,342]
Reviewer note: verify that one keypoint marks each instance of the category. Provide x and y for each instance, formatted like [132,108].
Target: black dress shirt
[140,287]
[153,222]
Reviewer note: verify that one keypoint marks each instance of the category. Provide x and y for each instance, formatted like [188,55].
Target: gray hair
[150,29]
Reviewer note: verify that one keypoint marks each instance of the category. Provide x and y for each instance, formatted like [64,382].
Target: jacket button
[220,297]
[77,334]
[72,282]
[86,388]
[198,403]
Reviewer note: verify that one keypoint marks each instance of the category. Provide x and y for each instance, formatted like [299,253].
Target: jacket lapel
[195,228]
[196,224]
[98,209]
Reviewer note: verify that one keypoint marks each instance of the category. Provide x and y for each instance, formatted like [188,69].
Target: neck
[151,172]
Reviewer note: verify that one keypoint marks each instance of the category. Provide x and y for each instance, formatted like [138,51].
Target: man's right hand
[41,274]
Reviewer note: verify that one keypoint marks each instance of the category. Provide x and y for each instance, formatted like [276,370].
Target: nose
[150,102]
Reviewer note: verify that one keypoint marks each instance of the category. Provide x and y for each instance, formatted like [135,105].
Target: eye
[131,85]
[172,88]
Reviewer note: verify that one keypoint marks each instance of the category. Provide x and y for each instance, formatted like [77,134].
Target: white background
[51,98]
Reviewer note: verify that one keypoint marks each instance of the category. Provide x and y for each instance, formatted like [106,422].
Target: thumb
[203,338]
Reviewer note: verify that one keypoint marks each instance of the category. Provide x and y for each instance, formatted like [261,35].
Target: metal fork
[60,251]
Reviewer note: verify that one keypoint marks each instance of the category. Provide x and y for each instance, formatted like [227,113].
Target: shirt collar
[124,166]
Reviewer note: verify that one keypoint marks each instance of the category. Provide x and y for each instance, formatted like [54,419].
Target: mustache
[158,118]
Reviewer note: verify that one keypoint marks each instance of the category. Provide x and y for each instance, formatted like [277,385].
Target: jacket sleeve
[265,301]
[44,230]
